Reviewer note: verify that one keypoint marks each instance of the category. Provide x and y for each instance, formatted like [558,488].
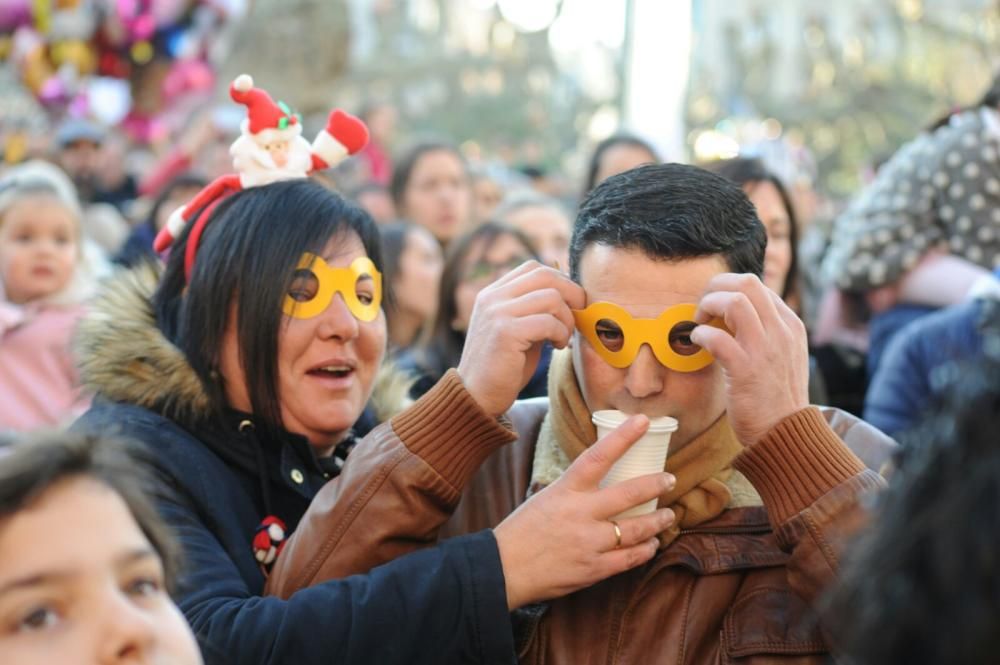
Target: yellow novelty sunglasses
[315,283]
[617,337]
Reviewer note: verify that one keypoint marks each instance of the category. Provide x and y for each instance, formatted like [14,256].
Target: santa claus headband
[267,122]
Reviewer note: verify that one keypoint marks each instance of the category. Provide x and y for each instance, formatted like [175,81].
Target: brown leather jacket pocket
[771,625]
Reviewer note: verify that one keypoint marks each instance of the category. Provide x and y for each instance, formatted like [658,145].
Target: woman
[774,208]
[431,188]
[246,382]
[413,265]
[617,154]
[86,564]
[475,261]
[545,222]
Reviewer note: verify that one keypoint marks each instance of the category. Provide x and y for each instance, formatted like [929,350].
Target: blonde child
[46,274]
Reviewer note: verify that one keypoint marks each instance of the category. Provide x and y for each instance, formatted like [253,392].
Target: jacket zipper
[728,530]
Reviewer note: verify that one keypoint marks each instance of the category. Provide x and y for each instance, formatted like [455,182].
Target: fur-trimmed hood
[123,356]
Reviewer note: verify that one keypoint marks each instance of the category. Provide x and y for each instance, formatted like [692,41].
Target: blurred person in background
[86,563]
[616,154]
[431,187]
[927,229]
[921,586]
[115,184]
[487,192]
[177,193]
[830,382]
[381,119]
[543,220]
[78,153]
[472,263]
[376,201]
[922,361]
[47,272]
[774,208]
[413,265]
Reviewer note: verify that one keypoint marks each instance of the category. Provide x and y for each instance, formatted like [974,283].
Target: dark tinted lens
[304,286]
[679,339]
[610,334]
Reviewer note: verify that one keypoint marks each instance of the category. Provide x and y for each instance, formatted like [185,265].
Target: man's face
[644,287]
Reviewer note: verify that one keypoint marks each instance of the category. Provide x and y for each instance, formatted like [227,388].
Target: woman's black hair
[394,237]
[607,144]
[445,348]
[31,465]
[183,181]
[922,584]
[403,169]
[244,266]
[748,173]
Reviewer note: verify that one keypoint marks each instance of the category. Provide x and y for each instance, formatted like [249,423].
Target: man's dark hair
[247,258]
[671,212]
[922,584]
[31,465]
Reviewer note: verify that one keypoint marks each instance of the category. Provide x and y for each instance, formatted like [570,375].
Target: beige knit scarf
[707,484]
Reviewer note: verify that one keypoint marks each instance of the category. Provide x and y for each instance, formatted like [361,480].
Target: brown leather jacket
[735,590]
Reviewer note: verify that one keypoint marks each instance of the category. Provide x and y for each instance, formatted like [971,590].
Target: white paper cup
[647,455]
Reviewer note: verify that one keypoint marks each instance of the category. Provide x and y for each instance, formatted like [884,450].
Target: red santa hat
[266,120]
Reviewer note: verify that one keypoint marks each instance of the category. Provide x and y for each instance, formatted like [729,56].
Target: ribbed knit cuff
[450,431]
[796,463]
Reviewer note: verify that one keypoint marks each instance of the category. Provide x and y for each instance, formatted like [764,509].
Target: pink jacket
[38,379]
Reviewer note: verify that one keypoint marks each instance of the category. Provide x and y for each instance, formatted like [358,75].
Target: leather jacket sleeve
[399,485]
[813,487]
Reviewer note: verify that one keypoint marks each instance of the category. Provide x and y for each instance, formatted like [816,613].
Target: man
[764,486]
[763,483]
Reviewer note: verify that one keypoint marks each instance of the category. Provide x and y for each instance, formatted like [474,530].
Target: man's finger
[720,344]
[632,492]
[588,469]
[736,311]
[543,277]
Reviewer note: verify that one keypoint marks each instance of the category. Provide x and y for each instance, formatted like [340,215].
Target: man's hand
[511,320]
[765,361]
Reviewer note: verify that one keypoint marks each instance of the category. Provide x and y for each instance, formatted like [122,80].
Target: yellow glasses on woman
[315,283]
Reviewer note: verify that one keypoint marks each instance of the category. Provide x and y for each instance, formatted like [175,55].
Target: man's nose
[645,376]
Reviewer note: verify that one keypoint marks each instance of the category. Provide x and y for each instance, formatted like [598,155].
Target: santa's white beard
[256,167]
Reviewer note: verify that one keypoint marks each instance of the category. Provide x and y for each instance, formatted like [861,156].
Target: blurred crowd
[897,287]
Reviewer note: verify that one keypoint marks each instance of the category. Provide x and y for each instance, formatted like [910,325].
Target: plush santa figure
[270,148]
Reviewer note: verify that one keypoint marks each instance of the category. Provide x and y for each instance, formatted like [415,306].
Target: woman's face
[481,268]
[549,231]
[772,212]
[326,364]
[620,158]
[438,195]
[80,583]
[420,265]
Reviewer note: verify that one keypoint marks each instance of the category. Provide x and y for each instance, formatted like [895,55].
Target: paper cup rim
[612,418]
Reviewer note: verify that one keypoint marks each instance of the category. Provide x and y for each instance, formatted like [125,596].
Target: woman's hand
[562,539]
[511,320]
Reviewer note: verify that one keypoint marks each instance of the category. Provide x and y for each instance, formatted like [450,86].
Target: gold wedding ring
[618,534]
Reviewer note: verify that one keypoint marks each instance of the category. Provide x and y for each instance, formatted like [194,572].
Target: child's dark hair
[32,465]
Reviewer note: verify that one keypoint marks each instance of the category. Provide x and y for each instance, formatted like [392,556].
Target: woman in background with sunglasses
[476,260]
[246,377]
